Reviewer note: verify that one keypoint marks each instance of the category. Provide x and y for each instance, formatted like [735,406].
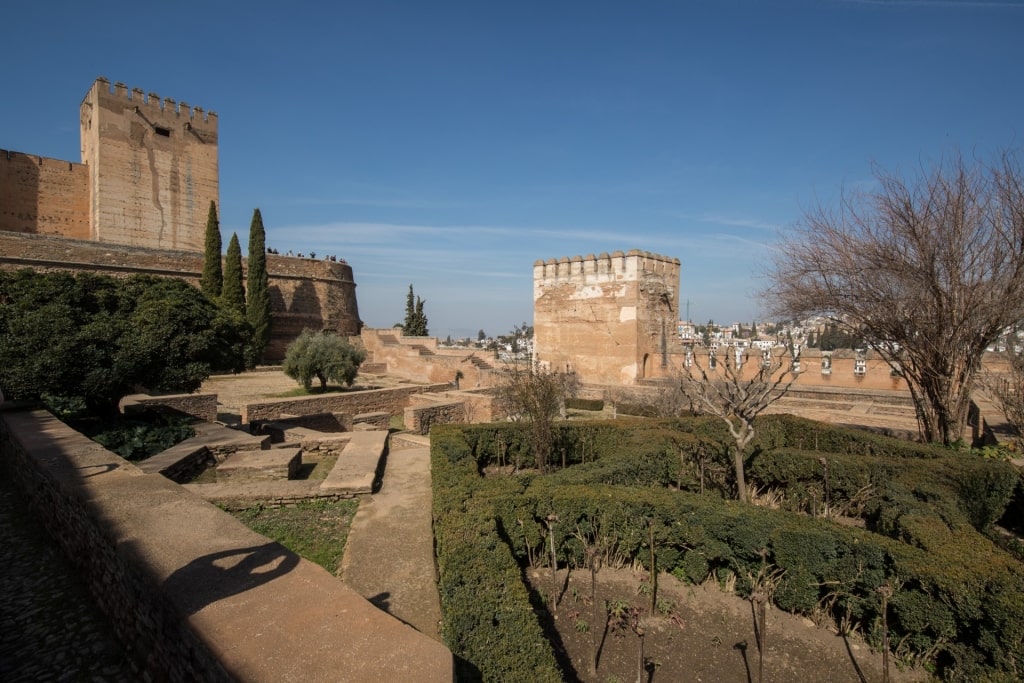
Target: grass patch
[316,529]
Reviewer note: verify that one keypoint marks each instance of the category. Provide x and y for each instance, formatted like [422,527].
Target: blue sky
[451,144]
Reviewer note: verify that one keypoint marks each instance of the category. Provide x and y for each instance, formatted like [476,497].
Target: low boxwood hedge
[958,600]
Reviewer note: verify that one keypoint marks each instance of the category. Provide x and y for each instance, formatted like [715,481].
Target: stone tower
[611,319]
[152,168]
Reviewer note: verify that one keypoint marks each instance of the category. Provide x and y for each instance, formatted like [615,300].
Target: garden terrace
[858,514]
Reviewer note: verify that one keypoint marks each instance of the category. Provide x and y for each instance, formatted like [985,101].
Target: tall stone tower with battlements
[138,203]
[611,319]
[152,168]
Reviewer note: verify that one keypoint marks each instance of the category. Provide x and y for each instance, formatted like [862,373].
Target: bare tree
[1006,387]
[930,271]
[535,397]
[737,388]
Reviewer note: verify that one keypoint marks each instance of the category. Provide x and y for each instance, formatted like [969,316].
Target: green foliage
[233,292]
[212,280]
[323,355]
[415,324]
[314,529]
[258,293]
[93,339]
[958,599]
[138,438]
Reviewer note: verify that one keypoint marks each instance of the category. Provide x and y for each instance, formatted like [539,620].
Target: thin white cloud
[380,203]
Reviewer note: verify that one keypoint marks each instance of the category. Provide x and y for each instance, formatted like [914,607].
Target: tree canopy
[212,279]
[258,293]
[415,324]
[233,292]
[92,339]
[928,270]
[322,355]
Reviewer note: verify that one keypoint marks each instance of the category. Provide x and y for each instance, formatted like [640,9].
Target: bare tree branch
[930,271]
[736,389]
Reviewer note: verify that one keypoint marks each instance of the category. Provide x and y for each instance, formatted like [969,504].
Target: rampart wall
[194,594]
[43,196]
[609,318]
[304,293]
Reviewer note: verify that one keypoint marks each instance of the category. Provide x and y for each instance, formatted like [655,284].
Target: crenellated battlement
[166,110]
[44,163]
[604,268]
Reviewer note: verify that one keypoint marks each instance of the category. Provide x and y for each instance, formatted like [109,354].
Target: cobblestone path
[50,627]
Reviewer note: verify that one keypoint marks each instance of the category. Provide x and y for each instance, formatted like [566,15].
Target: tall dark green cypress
[258,290]
[213,278]
[233,292]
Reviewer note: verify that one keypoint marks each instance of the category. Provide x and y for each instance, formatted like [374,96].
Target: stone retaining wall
[419,418]
[200,406]
[176,575]
[390,400]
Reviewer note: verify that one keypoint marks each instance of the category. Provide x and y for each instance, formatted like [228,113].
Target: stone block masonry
[391,400]
[609,318]
[43,196]
[194,594]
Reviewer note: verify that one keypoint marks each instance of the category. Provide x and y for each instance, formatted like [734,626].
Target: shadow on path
[216,576]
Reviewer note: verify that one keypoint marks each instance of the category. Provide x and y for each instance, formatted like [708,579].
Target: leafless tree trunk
[736,396]
[930,271]
[535,397]
[1006,388]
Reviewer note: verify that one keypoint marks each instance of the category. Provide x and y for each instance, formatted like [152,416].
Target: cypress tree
[258,293]
[213,279]
[233,292]
[410,313]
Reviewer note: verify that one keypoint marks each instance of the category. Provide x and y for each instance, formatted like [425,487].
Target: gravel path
[50,626]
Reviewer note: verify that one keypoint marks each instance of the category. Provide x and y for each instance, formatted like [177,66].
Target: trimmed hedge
[958,599]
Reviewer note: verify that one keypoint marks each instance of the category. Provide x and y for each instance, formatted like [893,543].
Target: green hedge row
[959,600]
[488,621]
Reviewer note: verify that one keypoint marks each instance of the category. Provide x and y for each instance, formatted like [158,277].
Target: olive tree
[928,270]
[324,356]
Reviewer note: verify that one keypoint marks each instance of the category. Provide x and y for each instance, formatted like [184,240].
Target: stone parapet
[194,594]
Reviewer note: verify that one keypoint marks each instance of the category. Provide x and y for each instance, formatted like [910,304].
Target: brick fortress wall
[304,293]
[43,196]
[610,318]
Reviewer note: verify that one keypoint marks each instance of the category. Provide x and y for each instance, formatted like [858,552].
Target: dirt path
[389,556]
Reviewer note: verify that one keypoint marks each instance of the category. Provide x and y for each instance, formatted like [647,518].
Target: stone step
[356,468]
[270,465]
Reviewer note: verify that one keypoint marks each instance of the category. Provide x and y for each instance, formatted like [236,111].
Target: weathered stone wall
[153,168]
[611,319]
[420,359]
[421,416]
[200,406]
[304,293]
[174,574]
[43,196]
[391,400]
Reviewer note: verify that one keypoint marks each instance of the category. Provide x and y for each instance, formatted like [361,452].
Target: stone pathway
[50,627]
[389,555]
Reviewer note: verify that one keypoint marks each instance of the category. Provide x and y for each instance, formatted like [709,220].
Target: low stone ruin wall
[201,406]
[188,588]
[391,400]
[420,417]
